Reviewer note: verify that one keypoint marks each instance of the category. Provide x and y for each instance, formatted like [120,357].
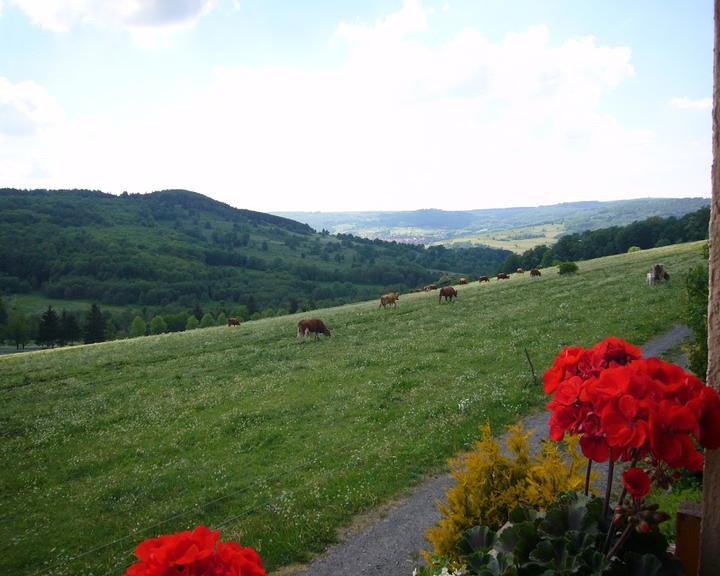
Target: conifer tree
[207,320]
[3,312]
[49,328]
[69,328]
[94,325]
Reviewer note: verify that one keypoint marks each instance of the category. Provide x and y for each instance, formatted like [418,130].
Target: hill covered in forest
[175,248]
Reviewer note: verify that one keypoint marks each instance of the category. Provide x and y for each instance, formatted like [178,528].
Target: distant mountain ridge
[437,226]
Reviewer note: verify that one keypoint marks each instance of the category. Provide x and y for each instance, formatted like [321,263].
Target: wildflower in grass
[195,553]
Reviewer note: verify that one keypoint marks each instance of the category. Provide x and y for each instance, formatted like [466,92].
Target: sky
[318,105]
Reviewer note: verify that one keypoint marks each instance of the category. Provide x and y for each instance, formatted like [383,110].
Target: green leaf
[543,553]
[519,540]
[477,538]
[522,514]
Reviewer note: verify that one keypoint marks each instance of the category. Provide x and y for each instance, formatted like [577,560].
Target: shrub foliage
[489,485]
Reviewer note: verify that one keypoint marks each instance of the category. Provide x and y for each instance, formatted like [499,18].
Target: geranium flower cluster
[628,407]
[195,553]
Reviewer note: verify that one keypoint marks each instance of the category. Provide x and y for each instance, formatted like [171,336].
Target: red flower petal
[636,482]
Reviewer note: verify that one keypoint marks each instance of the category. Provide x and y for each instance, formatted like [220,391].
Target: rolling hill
[176,248]
[516,229]
[276,442]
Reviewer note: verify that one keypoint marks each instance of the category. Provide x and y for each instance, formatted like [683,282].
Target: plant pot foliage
[567,539]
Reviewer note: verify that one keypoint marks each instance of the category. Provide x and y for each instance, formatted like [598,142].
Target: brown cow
[535,272]
[520,271]
[430,287]
[463,280]
[448,292]
[483,279]
[658,273]
[314,325]
[503,276]
[233,322]
[389,299]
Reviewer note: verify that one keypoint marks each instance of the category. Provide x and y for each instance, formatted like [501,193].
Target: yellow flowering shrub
[490,484]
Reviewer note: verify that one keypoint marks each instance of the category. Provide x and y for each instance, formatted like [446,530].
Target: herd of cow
[308,326]
[316,326]
[501,276]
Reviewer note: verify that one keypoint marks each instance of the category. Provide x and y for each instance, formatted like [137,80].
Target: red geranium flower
[565,365]
[625,423]
[595,448]
[636,482]
[670,428]
[706,406]
[613,352]
[196,553]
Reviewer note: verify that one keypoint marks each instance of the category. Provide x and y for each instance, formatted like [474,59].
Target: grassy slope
[276,442]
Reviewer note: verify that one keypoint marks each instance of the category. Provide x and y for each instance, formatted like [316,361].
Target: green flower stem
[587,477]
[608,488]
[621,540]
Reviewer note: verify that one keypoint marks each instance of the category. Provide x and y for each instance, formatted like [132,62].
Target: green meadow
[515,239]
[278,442]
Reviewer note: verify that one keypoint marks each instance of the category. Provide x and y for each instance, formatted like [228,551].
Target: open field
[516,239]
[276,442]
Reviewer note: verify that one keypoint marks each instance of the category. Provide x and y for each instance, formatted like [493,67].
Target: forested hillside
[178,248]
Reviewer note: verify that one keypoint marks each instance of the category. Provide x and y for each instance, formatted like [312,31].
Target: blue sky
[372,105]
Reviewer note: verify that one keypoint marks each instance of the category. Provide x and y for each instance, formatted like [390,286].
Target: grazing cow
[389,299]
[520,271]
[483,279]
[657,273]
[233,322]
[430,287]
[313,325]
[535,272]
[503,276]
[463,280]
[448,292]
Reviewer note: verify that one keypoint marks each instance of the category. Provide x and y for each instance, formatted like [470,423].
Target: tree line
[649,233]
[61,328]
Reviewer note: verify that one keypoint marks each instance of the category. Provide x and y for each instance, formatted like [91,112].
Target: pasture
[276,442]
[515,239]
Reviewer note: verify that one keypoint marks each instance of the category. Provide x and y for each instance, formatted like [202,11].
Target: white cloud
[685,103]
[63,15]
[398,124]
[25,109]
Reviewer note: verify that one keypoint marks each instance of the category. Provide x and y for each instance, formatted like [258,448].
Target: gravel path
[389,545]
